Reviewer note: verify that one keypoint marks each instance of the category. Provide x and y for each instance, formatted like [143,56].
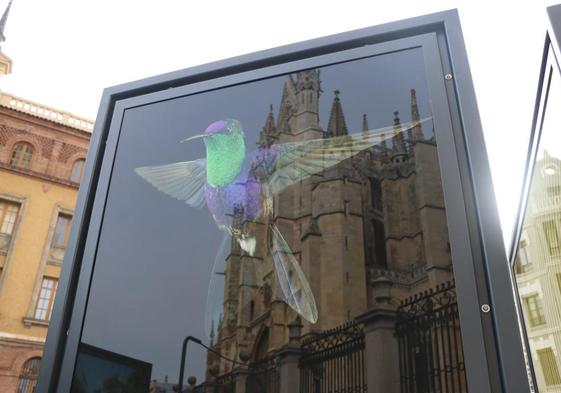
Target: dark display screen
[273,214]
[100,371]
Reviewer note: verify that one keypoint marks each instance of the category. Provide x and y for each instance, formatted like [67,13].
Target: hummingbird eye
[233,125]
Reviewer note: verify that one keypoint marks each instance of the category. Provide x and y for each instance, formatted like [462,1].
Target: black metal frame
[493,351]
[549,65]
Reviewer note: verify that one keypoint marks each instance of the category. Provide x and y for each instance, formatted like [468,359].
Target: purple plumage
[215,127]
[242,198]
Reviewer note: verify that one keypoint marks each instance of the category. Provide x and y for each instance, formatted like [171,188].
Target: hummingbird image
[238,185]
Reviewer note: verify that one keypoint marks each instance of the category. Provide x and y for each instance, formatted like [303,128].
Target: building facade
[42,156]
[538,272]
[368,233]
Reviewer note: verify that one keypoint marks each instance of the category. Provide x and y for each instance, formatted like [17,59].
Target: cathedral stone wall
[359,251]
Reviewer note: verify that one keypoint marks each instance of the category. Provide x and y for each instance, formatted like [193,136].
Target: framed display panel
[318,217]
[534,258]
[100,370]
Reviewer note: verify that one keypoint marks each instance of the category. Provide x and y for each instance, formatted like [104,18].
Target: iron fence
[225,383]
[430,346]
[333,361]
[263,376]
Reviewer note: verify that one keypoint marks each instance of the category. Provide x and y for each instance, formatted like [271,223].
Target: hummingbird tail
[292,281]
[248,244]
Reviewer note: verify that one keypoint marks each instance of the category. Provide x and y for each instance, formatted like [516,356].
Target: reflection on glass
[239,186]
[327,225]
[100,371]
[538,260]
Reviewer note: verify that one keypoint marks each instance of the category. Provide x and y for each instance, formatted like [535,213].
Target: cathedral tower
[5,61]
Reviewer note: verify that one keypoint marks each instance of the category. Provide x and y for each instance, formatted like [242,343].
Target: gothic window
[77,170]
[262,347]
[8,214]
[549,366]
[44,306]
[379,235]
[21,155]
[380,258]
[267,295]
[376,191]
[62,230]
[29,375]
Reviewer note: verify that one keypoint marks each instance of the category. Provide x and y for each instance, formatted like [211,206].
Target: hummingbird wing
[181,180]
[296,291]
[215,305]
[295,161]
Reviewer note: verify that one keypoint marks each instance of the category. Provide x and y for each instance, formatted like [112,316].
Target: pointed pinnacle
[3,21]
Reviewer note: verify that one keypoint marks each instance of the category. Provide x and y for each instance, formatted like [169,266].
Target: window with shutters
[534,310]
[549,367]
[22,154]
[29,375]
[44,306]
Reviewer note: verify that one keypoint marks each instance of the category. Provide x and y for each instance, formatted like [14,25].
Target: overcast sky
[66,51]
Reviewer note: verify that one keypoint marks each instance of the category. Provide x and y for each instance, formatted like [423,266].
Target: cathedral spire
[211,334]
[365,127]
[336,125]
[398,142]
[3,21]
[5,61]
[306,104]
[269,130]
[287,105]
[415,117]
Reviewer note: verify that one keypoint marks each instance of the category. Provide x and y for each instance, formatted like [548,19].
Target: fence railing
[333,361]
[225,383]
[431,358]
[430,347]
[263,376]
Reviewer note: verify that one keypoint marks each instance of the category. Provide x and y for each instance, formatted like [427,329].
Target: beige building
[42,156]
[538,272]
[368,233]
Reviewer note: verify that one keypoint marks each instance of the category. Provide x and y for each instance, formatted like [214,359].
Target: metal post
[183,354]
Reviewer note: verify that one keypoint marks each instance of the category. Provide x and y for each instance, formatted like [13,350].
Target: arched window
[29,375]
[77,170]
[21,155]
[261,349]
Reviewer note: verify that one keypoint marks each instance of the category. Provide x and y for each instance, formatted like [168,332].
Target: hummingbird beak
[193,137]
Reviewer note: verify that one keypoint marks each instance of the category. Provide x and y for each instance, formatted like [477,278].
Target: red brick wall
[13,355]
[55,147]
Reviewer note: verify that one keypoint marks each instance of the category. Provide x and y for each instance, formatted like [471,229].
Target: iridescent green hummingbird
[238,186]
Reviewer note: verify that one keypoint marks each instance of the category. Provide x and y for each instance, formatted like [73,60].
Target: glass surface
[538,260]
[276,214]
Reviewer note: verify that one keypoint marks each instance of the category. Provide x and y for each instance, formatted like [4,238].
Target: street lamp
[244,357]
[183,354]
